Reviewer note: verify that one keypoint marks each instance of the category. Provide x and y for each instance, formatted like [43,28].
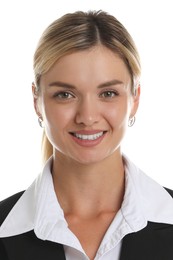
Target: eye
[109,94]
[63,95]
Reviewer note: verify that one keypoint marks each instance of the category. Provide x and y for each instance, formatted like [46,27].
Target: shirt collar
[155,202]
[38,208]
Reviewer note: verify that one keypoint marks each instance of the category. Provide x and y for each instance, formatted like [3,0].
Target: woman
[90,201]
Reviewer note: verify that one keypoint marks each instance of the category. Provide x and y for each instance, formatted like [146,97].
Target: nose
[87,112]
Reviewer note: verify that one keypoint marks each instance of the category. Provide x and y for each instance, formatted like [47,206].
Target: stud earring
[131,121]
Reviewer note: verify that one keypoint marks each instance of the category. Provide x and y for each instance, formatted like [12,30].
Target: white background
[149,143]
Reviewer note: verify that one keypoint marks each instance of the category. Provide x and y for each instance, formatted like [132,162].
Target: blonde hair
[80,31]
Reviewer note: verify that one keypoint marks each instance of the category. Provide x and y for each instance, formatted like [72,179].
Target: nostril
[86,118]
[88,111]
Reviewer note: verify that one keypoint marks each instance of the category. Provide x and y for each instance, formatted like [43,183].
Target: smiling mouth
[89,137]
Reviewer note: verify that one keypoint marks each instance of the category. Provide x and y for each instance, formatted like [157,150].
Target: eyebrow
[70,86]
[61,84]
[111,83]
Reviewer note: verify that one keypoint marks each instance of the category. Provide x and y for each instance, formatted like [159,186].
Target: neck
[89,189]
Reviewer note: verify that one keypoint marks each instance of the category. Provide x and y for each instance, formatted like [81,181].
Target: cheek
[57,117]
[117,115]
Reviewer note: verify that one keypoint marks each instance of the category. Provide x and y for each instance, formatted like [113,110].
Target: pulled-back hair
[81,31]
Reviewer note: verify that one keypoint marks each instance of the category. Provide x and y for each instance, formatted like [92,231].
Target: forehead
[95,65]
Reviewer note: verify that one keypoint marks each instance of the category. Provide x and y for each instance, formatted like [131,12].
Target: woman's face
[86,102]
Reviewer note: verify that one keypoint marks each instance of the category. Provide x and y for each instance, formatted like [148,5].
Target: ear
[35,95]
[135,100]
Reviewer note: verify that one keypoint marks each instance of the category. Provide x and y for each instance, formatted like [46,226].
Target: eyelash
[67,95]
[112,94]
[63,95]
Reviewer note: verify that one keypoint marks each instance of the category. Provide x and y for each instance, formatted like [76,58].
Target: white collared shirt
[38,210]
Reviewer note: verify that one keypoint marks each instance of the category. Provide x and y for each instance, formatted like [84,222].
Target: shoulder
[7,204]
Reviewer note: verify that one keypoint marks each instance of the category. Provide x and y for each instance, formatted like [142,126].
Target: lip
[86,142]
[87,132]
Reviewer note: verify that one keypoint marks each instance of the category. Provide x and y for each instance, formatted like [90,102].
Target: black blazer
[154,242]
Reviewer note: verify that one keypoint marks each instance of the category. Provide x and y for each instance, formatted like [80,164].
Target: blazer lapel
[154,242]
[27,246]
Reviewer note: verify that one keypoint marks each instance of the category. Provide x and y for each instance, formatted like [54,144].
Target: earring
[40,121]
[131,121]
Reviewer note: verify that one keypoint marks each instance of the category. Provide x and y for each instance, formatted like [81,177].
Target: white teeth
[88,137]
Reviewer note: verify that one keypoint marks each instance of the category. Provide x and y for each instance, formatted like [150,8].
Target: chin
[90,160]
